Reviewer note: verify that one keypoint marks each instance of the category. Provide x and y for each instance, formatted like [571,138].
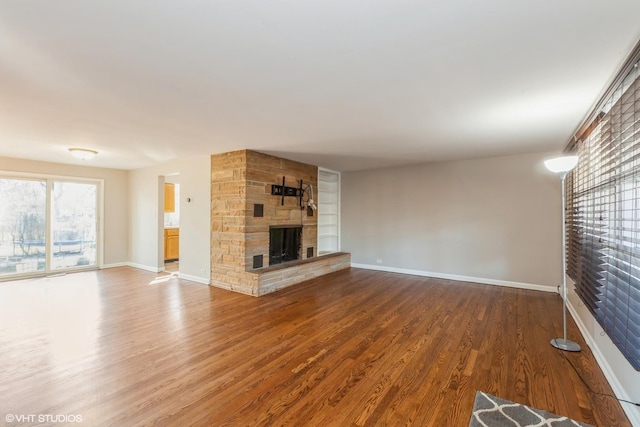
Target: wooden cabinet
[169,197]
[171,243]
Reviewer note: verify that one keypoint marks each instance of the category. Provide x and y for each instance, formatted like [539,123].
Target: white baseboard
[202,280]
[459,278]
[144,267]
[632,413]
[115,265]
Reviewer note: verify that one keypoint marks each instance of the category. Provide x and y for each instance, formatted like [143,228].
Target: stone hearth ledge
[269,279]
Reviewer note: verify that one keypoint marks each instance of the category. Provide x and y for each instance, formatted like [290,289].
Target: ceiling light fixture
[82,153]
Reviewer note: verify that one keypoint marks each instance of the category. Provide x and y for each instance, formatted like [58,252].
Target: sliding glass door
[47,225]
[74,225]
[23,231]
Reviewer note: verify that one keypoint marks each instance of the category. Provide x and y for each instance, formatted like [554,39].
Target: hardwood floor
[172,266]
[353,348]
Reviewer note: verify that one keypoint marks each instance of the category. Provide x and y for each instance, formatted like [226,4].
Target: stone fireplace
[243,213]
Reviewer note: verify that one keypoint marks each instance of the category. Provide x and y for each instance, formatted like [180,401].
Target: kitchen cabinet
[171,244]
[169,197]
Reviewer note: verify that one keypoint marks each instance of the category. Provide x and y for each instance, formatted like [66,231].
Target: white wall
[116,201]
[493,220]
[146,192]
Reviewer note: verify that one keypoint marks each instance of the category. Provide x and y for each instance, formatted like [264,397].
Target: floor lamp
[562,166]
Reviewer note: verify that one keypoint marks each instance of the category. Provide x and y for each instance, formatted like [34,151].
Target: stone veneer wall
[239,180]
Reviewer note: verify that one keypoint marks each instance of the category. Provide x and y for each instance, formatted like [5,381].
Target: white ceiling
[343,84]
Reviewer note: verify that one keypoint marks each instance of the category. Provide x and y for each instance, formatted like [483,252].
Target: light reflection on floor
[72,328]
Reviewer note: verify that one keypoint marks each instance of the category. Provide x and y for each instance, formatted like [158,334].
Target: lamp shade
[82,153]
[561,164]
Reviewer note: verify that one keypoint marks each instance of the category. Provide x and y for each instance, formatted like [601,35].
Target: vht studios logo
[43,418]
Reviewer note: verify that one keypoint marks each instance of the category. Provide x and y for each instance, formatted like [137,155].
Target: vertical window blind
[603,213]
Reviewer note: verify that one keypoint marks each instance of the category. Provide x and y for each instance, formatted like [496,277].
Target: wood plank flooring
[354,348]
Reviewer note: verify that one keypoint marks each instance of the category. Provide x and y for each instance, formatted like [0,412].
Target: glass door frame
[50,179]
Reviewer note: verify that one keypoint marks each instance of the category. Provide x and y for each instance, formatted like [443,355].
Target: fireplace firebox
[284,243]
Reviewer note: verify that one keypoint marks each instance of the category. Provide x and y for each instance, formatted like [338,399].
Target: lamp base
[566,345]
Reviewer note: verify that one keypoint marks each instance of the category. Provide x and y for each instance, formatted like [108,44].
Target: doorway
[171,223]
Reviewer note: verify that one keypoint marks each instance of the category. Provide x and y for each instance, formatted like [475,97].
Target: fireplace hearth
[284,243]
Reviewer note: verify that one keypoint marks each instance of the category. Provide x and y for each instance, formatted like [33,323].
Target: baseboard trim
[632,413]
[144,267]
[196,279]
[115,265]
[519,285]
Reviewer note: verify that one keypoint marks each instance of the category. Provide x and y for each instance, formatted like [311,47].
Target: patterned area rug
[491,411]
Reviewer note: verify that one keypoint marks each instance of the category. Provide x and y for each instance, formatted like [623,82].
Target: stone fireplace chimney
[243,210]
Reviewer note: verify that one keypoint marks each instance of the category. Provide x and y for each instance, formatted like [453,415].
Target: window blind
[603,213]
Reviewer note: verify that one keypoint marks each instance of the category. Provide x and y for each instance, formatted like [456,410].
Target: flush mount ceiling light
[82,153]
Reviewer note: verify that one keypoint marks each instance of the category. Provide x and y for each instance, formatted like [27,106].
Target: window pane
[22,226]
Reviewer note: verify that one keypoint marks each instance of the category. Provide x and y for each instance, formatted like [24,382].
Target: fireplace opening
[284,243]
